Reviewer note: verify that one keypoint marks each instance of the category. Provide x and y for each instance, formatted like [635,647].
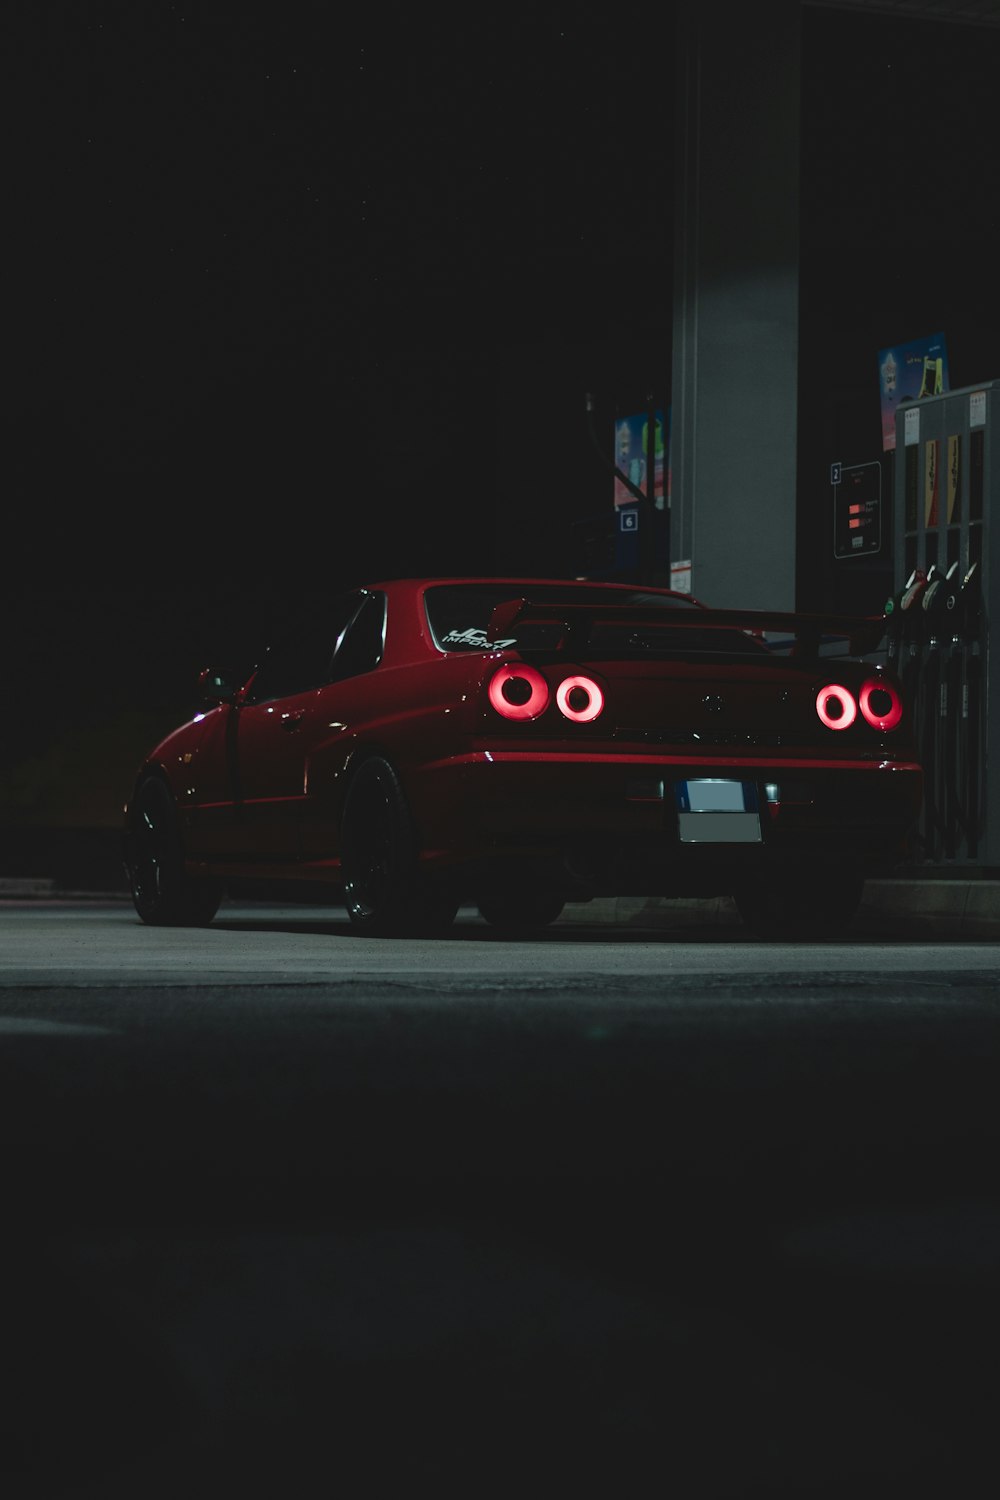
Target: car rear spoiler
[801,635]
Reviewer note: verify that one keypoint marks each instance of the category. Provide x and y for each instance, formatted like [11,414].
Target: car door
[342,711]
[278,721]
[288,719]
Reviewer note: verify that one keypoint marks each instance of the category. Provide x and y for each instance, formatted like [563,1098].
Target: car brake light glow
[881,704]
[836,707]
[519,692]
[579,699]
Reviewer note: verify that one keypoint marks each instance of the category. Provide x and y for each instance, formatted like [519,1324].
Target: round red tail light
[579,699]
[836,706]
[881,704]
[519,692]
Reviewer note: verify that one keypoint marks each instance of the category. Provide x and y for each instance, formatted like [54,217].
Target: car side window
[302,659]
[359,648]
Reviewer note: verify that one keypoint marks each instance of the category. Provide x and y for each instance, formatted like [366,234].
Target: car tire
[384,891]
[163,893]
[520,910]
[801,904]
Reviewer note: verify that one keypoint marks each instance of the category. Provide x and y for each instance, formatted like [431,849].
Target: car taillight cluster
[878,700]
[520,692]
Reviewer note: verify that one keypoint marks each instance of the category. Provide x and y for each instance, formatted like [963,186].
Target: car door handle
[291,722]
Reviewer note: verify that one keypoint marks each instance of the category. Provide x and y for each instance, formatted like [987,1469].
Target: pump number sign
[857,509]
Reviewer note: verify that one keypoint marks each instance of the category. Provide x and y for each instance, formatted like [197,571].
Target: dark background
[300,301]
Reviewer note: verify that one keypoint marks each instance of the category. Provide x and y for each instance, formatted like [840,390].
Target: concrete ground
[920,905]
[946,899]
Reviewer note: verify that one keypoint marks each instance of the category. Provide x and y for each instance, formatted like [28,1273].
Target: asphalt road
[292,1212]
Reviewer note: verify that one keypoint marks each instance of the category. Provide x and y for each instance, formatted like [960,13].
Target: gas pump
[968,624]
[929,699]
[946,500]
[948,710]
[896,622]
[911,636]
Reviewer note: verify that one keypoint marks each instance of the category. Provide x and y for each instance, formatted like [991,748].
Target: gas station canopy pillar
[735,323]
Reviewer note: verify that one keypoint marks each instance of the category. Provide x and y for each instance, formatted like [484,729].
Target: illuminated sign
[857,509]
[909,372]
[632,458]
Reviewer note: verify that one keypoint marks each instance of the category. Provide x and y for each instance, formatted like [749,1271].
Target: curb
[955,908]
[13,887]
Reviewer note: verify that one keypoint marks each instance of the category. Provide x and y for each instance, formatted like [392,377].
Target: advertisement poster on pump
[631,457]
[908,372]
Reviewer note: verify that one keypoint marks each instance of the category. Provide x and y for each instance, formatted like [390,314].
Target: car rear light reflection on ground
[836,707]
[519,692]
[881,704]
[579,699]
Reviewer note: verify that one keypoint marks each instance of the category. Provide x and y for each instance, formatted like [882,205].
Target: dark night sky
[302,301]
[268,264]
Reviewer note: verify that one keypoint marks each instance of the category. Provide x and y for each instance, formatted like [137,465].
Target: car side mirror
[215,687]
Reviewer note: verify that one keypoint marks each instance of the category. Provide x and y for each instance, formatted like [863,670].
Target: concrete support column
[735,325]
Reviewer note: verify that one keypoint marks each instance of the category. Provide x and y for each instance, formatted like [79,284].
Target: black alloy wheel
[384,891]
[163,894]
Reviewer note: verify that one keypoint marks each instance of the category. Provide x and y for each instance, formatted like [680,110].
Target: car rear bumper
[617,823]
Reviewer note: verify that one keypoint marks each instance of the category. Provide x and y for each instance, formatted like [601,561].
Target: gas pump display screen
[857,502]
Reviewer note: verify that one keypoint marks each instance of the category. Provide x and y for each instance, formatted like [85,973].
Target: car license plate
[711,810]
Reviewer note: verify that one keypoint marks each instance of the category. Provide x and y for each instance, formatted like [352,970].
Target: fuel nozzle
[968,605]
[904,598]
[910,602]
[914,590]
[900,612]
[934,600]
[950,595]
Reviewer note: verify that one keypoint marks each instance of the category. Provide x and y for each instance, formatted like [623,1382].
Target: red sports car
[519,743]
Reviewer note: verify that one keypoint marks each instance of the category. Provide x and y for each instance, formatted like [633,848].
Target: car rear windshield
[462,618]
